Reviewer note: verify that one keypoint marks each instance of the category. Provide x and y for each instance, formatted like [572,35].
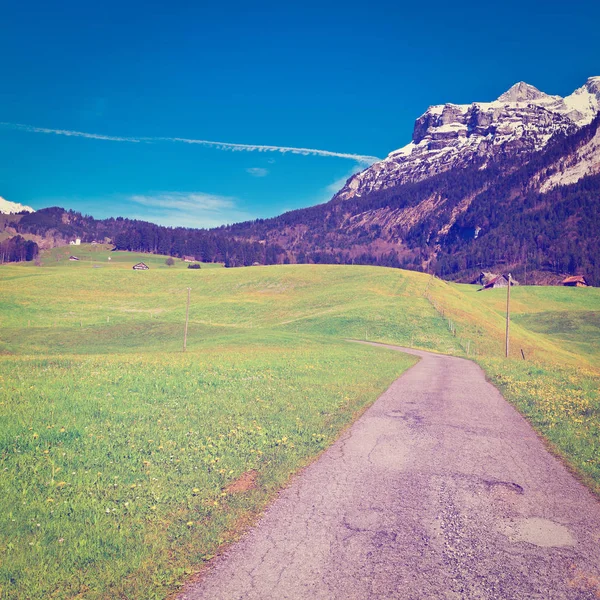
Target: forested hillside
[140,236]
[496,215]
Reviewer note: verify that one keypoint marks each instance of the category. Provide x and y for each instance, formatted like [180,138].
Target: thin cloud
[257,171]
[260,148]
[359,158]
[184,200]
[188,209]
[92,136]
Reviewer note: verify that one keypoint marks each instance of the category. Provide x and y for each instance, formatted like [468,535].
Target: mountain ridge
[521,121]
[512,184]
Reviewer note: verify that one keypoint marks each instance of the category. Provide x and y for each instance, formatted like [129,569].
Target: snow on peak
[522,92]
[8,208]
[593,86]
[584,103]
[521,121]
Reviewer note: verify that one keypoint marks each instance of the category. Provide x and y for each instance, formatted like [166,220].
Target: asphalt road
[441,490]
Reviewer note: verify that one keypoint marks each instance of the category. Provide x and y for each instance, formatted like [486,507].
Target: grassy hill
[126,462]
[103,256]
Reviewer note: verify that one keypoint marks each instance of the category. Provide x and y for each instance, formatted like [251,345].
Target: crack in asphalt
[440,490]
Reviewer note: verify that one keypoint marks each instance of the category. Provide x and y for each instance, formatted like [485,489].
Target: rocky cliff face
[520,122]
[510,184]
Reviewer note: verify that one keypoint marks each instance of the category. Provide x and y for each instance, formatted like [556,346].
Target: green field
[126,463]
[103,256]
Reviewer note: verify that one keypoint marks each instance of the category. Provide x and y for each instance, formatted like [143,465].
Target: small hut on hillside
[500,281]
[141,267]
[485,277]
[576,281]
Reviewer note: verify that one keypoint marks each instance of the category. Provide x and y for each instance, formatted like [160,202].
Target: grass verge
[116,471]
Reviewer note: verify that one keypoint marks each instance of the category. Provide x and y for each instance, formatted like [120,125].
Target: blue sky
[347,78]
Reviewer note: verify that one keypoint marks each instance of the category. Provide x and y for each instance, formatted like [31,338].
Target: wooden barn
[485,277]
[576,281]
[141,267]
[500,281]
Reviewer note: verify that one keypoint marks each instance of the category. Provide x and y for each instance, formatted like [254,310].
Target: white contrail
[93,136]
[219,145]
[260,148]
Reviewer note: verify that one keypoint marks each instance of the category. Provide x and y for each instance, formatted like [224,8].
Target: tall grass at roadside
[114,470]
[561,402]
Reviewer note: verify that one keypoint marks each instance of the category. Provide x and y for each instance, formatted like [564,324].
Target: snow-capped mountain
[519,122]
[510,184]
[7,207]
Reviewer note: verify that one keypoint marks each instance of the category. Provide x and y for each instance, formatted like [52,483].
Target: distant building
[76,242]
[485,277]
[73,258]
[188,259]
[576,281]
[499,281]
[141,267]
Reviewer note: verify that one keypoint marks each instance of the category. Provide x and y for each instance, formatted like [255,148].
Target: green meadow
[126,463]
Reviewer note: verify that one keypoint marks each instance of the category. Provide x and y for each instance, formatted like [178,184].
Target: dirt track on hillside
[440,490]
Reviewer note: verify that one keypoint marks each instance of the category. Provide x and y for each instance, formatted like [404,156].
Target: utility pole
[187,314]
[508,311]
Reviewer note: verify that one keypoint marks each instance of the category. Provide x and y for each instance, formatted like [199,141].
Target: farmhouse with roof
[141,267]
[499,281]
[576,281]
